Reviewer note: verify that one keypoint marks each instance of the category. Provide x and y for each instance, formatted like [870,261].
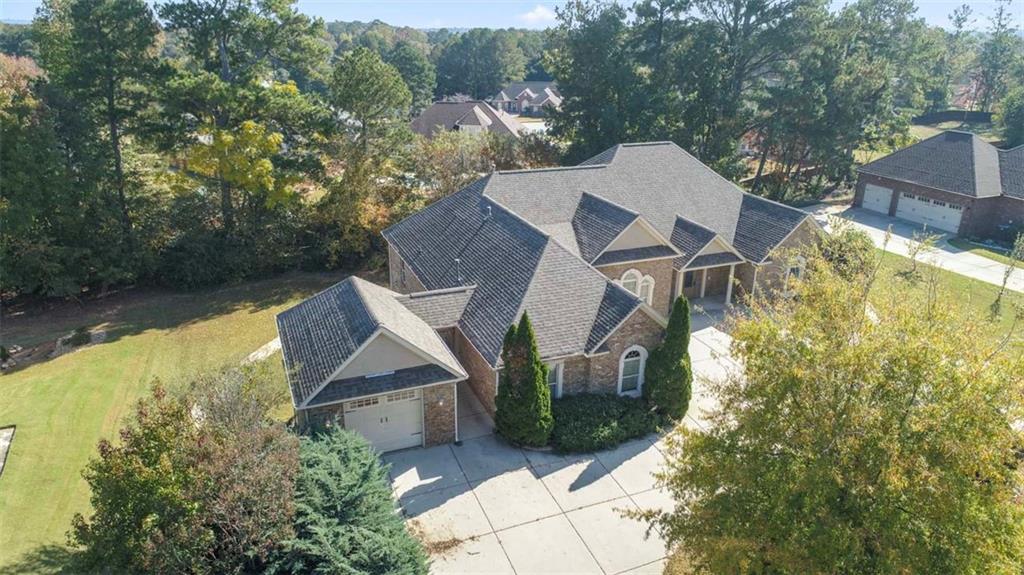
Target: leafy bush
[80,337]
[523,413]
[589,422]
[345,519]
[849,250]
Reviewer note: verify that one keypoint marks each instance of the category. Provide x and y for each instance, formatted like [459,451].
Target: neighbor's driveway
[945,255]
[499,509]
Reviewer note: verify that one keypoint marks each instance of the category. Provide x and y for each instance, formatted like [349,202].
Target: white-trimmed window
[794,272]
[555,379]
[638,284]
[631,370]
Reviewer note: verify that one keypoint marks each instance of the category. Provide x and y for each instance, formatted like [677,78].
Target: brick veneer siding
[481,376]
[401,282]
[770,275]
[640,330]
[999,217]
[662,272]
[744,280]
[439,414]
[575,375]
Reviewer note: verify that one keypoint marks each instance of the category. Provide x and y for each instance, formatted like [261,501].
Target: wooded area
[200,143]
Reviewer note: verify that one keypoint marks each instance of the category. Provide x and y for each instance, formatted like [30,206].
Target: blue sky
[494,13]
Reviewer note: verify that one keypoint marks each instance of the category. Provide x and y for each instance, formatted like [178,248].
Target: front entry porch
[708,283]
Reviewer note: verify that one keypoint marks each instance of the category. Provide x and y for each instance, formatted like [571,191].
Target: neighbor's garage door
[389,422]
[933,213]
[877,198]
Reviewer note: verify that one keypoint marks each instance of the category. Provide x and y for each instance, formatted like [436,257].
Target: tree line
[197,143]
[803,85]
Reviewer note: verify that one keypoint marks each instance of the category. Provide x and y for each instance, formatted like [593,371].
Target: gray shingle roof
[634,254]
[957,162]
[341,389]
[1011,171]
[500,229]
[441,308]
[321,333]
[447,116]
[539,90]
[597,223]
[719,259]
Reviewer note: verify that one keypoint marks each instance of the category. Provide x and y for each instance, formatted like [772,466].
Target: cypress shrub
[524,399]
[668,377]
[345,520]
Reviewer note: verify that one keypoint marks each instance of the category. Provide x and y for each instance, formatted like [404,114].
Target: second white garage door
[933,213]
[389,422]
[876,198]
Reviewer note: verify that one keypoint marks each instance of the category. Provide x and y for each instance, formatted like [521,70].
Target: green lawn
[977,295]
[63,406]
[983,251]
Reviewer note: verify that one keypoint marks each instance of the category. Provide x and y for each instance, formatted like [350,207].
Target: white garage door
[933,213]
[877,198]
[389,422]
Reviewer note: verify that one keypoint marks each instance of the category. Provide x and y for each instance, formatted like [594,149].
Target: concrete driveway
[487,507]
[945,255]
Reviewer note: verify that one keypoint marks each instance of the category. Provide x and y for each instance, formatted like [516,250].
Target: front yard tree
[860,437]
[524,400]
[668,377]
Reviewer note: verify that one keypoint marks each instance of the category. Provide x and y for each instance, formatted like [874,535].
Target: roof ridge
[358,287]
[612,203]
[654,143]
[551,169]
[441,291]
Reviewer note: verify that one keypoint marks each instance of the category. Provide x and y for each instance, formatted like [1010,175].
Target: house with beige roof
[594,253]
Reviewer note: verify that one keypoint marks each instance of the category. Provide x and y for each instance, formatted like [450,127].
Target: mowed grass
[63,406]
[993,254]
[977,296]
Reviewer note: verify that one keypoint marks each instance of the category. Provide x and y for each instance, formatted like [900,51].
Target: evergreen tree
[668,377]
[524,400]
[345,519]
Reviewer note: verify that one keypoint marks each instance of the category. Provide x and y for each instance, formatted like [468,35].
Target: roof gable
[597,223]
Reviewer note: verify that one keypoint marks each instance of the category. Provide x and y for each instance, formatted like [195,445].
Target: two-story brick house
[595,254]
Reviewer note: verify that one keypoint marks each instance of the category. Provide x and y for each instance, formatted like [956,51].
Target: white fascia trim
[458,371]
[358,397]
[638,219]
[599,266]
[341,367]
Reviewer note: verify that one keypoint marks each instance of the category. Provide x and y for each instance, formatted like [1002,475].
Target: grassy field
[63,406]
[983,251]
[987,131]
[977,295]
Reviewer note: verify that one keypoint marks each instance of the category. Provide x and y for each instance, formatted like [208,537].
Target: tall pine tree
[524,400]
[668,377]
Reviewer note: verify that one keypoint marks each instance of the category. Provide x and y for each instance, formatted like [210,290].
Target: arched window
[631,281]
[638,284]
[631,370]
[647,290]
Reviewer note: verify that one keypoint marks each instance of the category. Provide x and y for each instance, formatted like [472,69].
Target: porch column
[728,286]
[703,281]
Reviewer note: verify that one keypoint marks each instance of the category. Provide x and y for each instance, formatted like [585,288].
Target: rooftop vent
[458,270]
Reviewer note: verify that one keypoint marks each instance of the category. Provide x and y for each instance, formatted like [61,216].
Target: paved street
[945,255]
[487,507]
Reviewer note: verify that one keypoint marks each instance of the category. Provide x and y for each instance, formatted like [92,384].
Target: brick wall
[771,275]
[575,375]
[662,272]
[999,217]
[639,329]
[400,276]
[439,414]
[481,375]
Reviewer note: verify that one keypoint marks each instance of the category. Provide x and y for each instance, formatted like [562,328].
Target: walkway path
[945,256]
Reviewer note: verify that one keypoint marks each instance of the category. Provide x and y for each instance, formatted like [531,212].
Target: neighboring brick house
[528,98]
[952,182]
[471,116]
[595,254]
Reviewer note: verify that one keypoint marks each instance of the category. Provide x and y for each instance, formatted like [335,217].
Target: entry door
[933,213]
[876,198]
[389,422]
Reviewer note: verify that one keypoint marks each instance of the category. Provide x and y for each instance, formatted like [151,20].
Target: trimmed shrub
[345,519]
[524,400]
[668,378]
[590,422]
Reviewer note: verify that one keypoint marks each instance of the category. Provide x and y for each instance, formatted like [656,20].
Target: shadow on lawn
[133,312]
[45,559]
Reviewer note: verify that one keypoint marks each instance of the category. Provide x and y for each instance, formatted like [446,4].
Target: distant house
[528,98]
[954,182]
[595,254]
[465,116]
